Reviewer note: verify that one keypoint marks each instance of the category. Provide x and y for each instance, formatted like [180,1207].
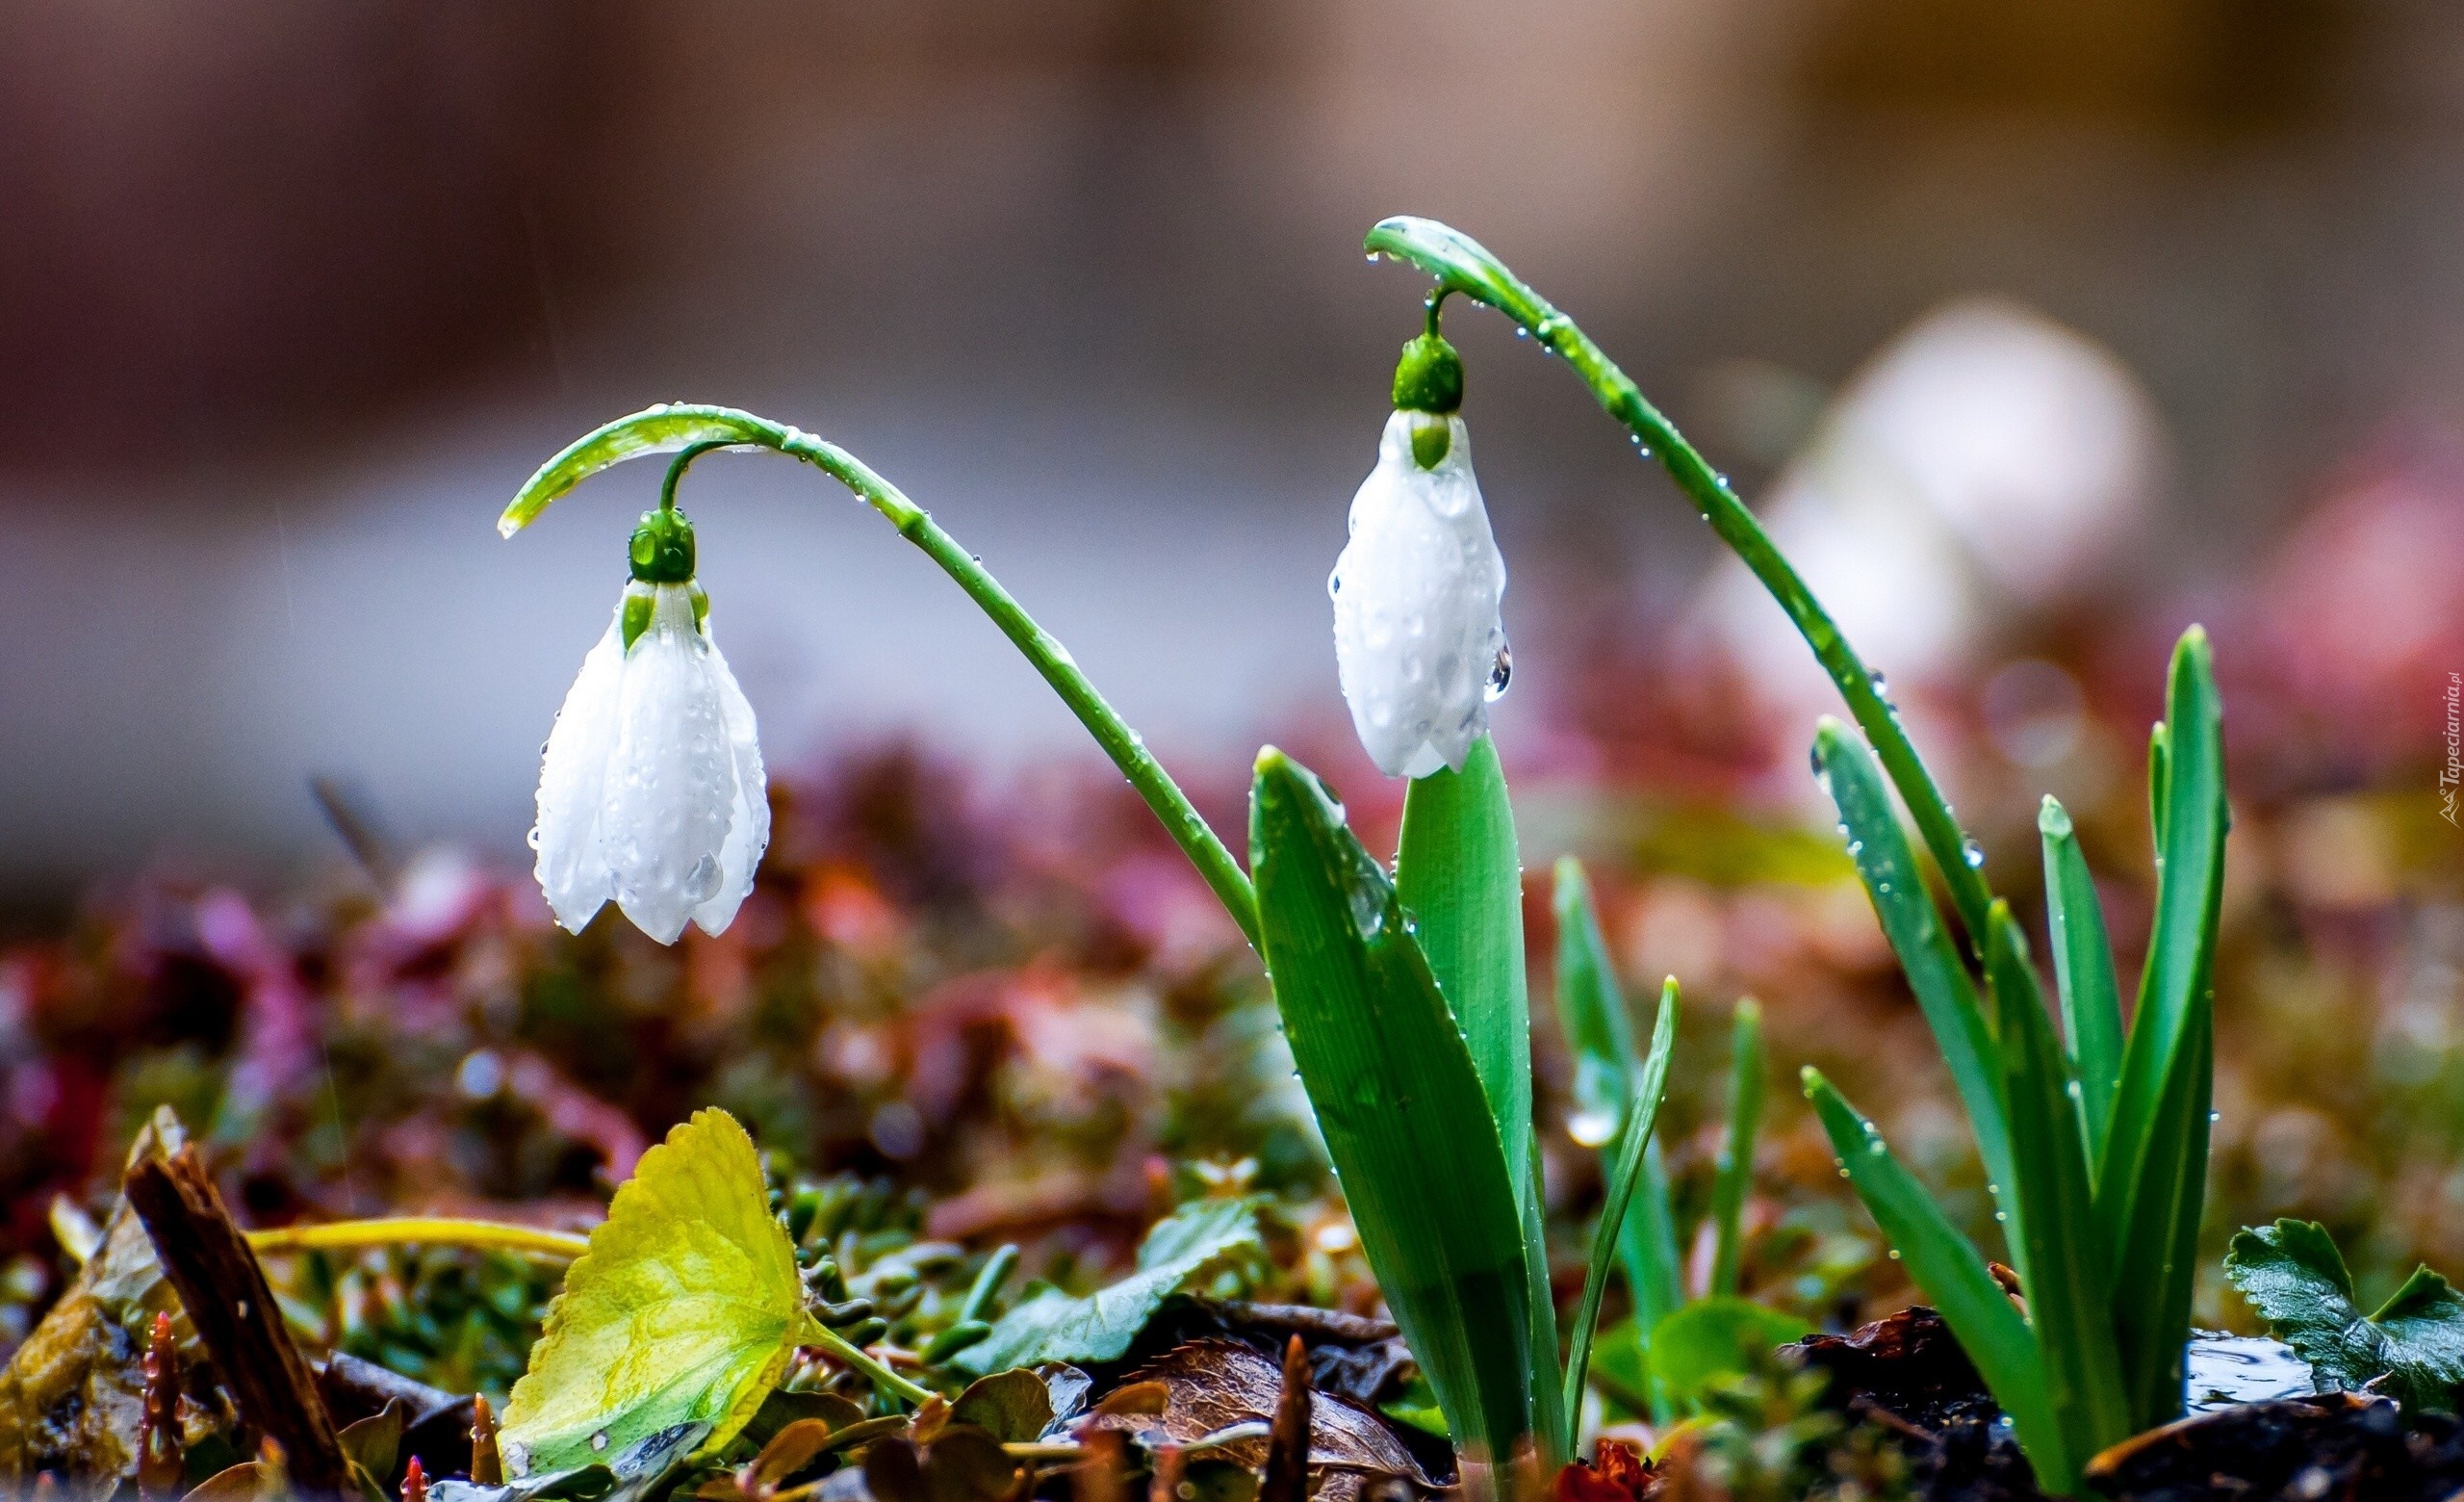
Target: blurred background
[292,297]
[2035,333]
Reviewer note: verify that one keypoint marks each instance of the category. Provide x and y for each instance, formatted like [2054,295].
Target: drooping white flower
[651,791]
[1417,639]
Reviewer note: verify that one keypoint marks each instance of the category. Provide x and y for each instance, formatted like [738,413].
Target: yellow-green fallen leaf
[685,1310]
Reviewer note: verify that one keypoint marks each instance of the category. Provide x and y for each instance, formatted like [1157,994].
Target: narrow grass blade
[1548,1415]
[2062,1268]
[1591,1009]
[2160,749]
[1641,1120]
[1735,1178]
[1459,874]
[1915,928]
[1950,1273]
[1401,1109]
[2153,1179]
[2159,1251]
[2083,966]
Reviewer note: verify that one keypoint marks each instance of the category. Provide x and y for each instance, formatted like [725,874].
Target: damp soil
[2248,1438]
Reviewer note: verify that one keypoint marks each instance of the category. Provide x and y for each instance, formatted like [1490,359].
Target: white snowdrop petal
[1418,635]
[572,872]
[749,820]
[670,790]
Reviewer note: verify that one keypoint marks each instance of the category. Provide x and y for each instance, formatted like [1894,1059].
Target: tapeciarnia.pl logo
[2454,772]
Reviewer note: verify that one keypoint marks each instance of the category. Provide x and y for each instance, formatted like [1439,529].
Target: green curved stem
[817,1334]
[668,429]
[1461,263]
[429,1230]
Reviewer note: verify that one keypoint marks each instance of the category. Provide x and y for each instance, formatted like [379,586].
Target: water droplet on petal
[1501,674]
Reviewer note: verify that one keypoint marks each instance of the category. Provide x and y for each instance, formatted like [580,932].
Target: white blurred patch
[1986,463]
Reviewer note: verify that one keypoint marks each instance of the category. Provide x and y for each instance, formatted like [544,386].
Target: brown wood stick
[1287,1473]
[224,1291]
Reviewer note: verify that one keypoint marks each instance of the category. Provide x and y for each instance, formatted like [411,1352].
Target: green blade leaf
[1715,1337]
[2293,1276]
[1400,1106]
[1951,1273]
[2190,818]
[685,1310]
[1591,1009]
[1915,928]
[1735,1178]
[1459,874]
[2061,1266]
[1053,1326]
[2160,1240]
[2083,968]
[2152,1183]
[1641,1118]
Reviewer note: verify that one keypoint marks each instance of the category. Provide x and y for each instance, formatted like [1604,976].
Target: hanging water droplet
[1334,583]
[1501,674]
[1973,854]
[1880,684]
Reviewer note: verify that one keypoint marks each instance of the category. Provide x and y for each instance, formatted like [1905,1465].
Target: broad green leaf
[1591,1009]
[1013,1407]
[1400,1106]
[1716,1337]
[1735,1178]
[2083,968]
[1053,1326]
[685,1310]
[2062,1269]
[1459,874]
[2293,1274]
[2152,1183]
[1950,1273]
[1915,928]
[1642,1119]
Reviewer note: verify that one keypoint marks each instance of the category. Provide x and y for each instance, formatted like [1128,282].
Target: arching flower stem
[1461,264]
[690,430]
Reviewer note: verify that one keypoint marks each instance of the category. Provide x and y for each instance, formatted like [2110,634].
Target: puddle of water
[2230,1369]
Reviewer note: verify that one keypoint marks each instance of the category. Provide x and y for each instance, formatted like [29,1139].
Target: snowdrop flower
[1418,639]
[651,791]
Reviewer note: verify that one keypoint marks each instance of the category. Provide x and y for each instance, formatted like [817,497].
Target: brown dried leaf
[790,1450]
[1213,1385]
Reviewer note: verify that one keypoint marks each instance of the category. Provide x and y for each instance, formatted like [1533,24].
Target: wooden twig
[1287,1475]
[224,1291]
